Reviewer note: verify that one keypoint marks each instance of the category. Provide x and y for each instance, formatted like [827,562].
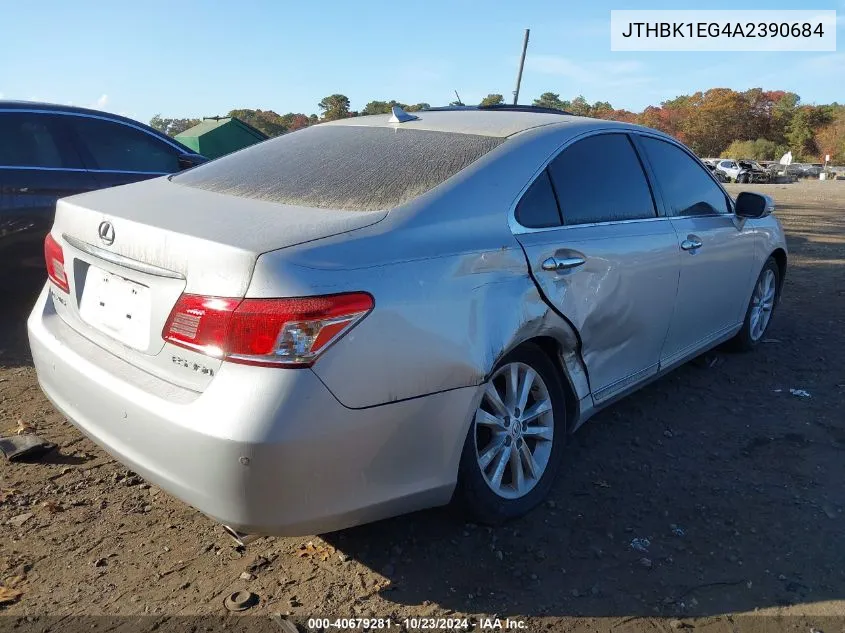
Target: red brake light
[288,332]
[54,258]
[200,323]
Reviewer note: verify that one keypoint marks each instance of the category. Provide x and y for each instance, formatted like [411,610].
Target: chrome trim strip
[80,169]
[524,230]
[120,260]
[94,116]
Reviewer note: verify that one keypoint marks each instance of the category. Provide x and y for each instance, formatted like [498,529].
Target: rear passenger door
[717,252]
[37,167]
[602,256]
[118,153]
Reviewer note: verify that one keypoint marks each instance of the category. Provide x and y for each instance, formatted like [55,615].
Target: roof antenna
[460,103]
[400,116]
[521,65]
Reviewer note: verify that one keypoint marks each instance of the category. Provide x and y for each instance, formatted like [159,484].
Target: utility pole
[521,64]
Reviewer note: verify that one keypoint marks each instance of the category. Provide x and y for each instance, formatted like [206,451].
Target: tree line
[756,123]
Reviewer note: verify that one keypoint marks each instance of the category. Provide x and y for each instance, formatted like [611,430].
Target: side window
[687,188]
[600,179]
[119,147]
[538,207]
[30,140]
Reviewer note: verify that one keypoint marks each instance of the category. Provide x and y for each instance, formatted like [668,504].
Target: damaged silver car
[385,313]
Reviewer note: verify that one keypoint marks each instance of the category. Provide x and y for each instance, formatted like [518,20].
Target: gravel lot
[735,482]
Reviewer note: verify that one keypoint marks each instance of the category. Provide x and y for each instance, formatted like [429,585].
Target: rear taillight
[54,258]
[286,332]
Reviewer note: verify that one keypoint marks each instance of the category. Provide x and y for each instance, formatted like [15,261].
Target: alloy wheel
[762,304]
[514,430]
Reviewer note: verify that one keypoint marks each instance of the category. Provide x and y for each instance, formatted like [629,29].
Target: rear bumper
[266,451]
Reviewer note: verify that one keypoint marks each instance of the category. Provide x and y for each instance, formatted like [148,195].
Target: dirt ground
[736,483]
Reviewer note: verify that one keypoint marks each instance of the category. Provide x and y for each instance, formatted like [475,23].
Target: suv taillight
[54,258]
[269,332]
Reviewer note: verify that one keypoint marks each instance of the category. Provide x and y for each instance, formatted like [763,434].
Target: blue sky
[201,59]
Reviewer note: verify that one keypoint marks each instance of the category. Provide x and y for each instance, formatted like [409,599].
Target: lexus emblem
[106,233]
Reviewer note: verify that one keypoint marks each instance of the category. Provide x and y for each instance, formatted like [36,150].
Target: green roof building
[217,136]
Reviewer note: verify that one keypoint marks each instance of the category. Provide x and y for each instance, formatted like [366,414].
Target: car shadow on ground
[17,304]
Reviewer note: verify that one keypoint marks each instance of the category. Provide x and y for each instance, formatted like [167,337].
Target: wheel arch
[560,342]
[780,257]
[551,347]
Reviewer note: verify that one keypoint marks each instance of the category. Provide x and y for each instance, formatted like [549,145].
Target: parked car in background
[51,151]
[743,170]
[717,173]
[729,167]
[380,314]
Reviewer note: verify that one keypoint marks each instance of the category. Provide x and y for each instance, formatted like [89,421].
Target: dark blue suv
[49,151]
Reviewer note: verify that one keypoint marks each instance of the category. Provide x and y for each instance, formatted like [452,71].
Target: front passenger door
[608,263]
[717,255]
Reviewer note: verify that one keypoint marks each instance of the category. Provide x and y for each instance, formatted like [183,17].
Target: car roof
[38,106]
[499,122]
[55,107]
[66,109]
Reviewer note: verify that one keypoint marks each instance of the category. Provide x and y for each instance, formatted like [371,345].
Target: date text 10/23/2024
[418,624]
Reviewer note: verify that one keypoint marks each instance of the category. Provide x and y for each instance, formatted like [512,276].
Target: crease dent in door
[612,330]
[620,300]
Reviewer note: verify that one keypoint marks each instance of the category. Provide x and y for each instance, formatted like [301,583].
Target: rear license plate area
[117,307]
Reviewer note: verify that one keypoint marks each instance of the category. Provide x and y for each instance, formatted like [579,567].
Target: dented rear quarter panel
[451,283]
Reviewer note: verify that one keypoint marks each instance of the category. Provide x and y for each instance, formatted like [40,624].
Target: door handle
[562,263]
[692,243]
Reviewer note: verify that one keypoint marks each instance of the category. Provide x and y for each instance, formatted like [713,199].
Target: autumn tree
[799,135]
[550,100]
[386,107]
[334,107]
[492,99]
[294,121]
[830,139]
[172,127]
[266,121]
[602,110]
[376,107]
[760,149]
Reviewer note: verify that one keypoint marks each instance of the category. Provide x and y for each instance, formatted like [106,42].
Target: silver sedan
[387,313]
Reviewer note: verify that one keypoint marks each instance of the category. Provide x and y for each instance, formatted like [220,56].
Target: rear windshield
[353,168]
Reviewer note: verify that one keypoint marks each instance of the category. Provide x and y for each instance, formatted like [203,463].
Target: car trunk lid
[131,251]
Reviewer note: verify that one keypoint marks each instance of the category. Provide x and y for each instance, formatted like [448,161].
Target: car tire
[766,293]
[483,458]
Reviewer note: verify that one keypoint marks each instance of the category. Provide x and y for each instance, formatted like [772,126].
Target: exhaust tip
[241,539]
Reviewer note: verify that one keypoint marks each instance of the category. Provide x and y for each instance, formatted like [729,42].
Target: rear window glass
[353,168]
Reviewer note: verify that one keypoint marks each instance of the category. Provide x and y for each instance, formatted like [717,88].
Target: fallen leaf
[8,595]
[24,427]
[14,581]
[309,550]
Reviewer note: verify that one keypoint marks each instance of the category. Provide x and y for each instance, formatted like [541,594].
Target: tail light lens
[270,332]
[54,258]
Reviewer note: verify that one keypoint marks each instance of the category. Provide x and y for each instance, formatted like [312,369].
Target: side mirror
[186,161]
[753,205]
